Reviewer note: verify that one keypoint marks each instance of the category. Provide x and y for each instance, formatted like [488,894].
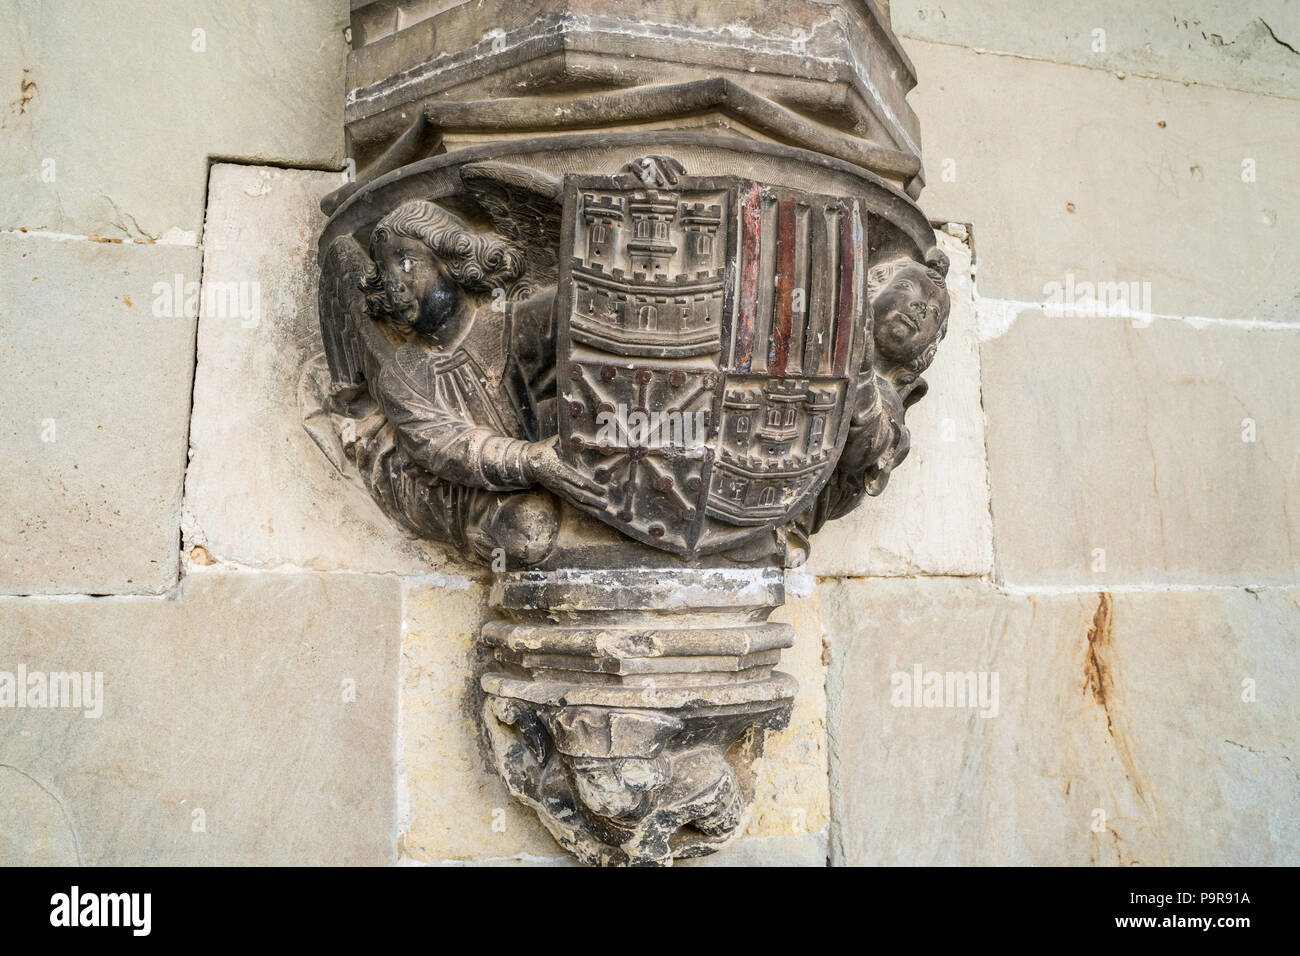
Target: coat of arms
[708,333]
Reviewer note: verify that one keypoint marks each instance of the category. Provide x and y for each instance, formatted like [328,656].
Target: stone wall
[1140,608]
[1094,523]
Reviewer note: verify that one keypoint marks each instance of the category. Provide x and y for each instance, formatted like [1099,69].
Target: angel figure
[909,308]
[441,346]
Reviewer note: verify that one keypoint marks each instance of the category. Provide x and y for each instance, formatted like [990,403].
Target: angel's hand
[874,426]
[867,400]
[550,472]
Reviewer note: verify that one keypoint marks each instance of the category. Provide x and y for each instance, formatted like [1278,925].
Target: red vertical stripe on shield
[783,324]
[751,209]
[847,315]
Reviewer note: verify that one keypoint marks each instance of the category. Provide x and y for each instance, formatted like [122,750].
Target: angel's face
[908,315]
[422,295]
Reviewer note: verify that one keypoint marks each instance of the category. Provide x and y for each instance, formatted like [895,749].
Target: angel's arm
[444,443]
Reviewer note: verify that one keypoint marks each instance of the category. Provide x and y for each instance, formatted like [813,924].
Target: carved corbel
[632,373]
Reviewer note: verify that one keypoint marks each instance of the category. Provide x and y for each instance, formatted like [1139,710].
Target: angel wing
[526,210]
[346,298]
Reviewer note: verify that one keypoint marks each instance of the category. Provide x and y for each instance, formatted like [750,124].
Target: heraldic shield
[737,310]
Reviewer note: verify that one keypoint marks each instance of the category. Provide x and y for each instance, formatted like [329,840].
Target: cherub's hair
[879,278]
[477,263]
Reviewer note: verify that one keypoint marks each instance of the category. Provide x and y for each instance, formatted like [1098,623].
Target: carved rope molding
[630,356]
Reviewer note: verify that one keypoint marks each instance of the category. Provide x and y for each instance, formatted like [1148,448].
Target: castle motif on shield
[738,303]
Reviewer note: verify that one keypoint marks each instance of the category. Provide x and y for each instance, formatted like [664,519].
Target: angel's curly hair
[479,263]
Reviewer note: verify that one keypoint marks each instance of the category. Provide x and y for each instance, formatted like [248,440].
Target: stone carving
[686,303]
[706,368]
[632,372]
[631,721]
[450,390]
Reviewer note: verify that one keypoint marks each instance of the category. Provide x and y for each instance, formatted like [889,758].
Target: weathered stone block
[791,802]
[1027,151]
[97,399]
[459,809]
[1242,46]
[258,490]
[1142,728]
[78,154]
[808,849]
[246,719]
[1123,454]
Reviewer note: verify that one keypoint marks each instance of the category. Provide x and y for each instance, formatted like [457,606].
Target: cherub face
[423,297]
[908,315]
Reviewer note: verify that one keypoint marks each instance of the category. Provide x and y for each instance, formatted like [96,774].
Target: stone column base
[630,706]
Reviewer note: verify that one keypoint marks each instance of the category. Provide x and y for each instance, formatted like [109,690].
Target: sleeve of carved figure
[447,445]
[870,428]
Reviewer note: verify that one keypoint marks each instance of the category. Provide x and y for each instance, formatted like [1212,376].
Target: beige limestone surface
[933,517]
[1152,728]
[97,379]
[1123,454]
[1242,46]
[111,112]
[458,808]
[246,719]
[1067,171]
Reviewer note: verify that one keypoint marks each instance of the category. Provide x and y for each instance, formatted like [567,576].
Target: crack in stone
[1244,747]
[1276,38]
[1095,671]
[122,216]
[76,842]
